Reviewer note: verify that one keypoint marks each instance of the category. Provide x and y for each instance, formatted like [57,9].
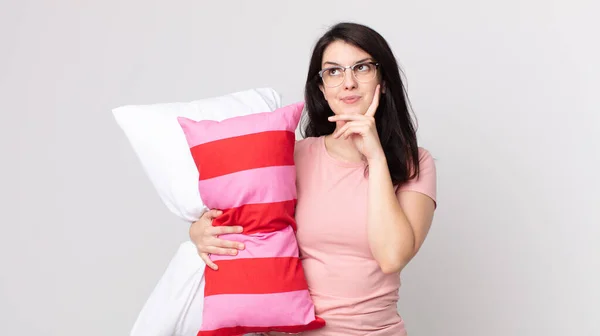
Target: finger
[375,103]
[221,251]
[213,213]
[356,129]
[208,262]
[346,133]
[341,131]
[364,124]
[229,244]
[347,117]
[349,133]
[221,230]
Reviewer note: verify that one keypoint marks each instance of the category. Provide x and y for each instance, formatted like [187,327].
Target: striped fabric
[246,168]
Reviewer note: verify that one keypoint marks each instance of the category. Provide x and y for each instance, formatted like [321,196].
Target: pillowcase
[174,307]
[246,169]
[156,138]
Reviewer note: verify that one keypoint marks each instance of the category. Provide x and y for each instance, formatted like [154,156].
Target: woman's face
[352,95]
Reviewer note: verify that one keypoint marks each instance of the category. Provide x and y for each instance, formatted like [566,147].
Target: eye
[333,72]
[363,67]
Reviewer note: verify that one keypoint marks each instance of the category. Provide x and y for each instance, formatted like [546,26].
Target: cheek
[329,94]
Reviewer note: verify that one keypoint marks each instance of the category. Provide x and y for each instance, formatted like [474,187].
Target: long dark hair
[397,132]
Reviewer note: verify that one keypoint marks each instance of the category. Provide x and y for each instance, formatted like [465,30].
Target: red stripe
[239,331]
[259,218]
[255,276]
[230,155]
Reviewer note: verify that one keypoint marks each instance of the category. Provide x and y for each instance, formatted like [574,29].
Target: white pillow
[176,304]
[161,146]
[174,308]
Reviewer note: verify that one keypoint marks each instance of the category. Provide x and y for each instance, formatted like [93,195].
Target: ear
[383,87]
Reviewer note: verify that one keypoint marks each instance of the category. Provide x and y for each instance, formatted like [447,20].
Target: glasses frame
[344,70]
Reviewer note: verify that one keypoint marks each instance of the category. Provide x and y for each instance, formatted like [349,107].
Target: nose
[349,80]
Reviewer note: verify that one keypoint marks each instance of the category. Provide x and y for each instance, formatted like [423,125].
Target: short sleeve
[426,183]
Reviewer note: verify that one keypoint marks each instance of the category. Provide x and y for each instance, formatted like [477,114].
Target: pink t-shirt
[349,289]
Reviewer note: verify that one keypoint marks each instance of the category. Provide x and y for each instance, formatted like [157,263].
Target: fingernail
[241,246]
[233,252]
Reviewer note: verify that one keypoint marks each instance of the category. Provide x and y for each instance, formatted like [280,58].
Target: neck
[343,149]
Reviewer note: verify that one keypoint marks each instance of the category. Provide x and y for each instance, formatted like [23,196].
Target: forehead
[343,53]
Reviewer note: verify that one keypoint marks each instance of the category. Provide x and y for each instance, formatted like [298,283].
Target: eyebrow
[360,61]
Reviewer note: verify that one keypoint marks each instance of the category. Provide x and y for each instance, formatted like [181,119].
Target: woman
[366,191]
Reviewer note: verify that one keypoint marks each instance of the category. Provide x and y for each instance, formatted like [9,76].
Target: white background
[504,92]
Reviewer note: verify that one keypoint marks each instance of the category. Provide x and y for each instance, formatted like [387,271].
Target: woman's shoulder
[425,158]
[307,140]
[426,180]
[427,168]
[306,144]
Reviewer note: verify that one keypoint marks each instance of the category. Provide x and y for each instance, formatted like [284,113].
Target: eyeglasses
[363,72]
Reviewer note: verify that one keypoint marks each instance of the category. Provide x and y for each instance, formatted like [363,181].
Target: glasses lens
[333,76]
[364,72]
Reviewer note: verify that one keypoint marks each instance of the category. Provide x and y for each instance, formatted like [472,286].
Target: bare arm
[397,226]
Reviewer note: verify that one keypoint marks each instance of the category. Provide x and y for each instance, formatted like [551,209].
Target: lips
[350,99]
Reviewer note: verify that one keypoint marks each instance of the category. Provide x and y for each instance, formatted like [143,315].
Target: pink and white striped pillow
[246,168]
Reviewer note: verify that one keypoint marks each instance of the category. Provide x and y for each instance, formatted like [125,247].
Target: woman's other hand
[206,238]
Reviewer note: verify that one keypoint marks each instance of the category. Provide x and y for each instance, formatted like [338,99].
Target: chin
[350,110]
